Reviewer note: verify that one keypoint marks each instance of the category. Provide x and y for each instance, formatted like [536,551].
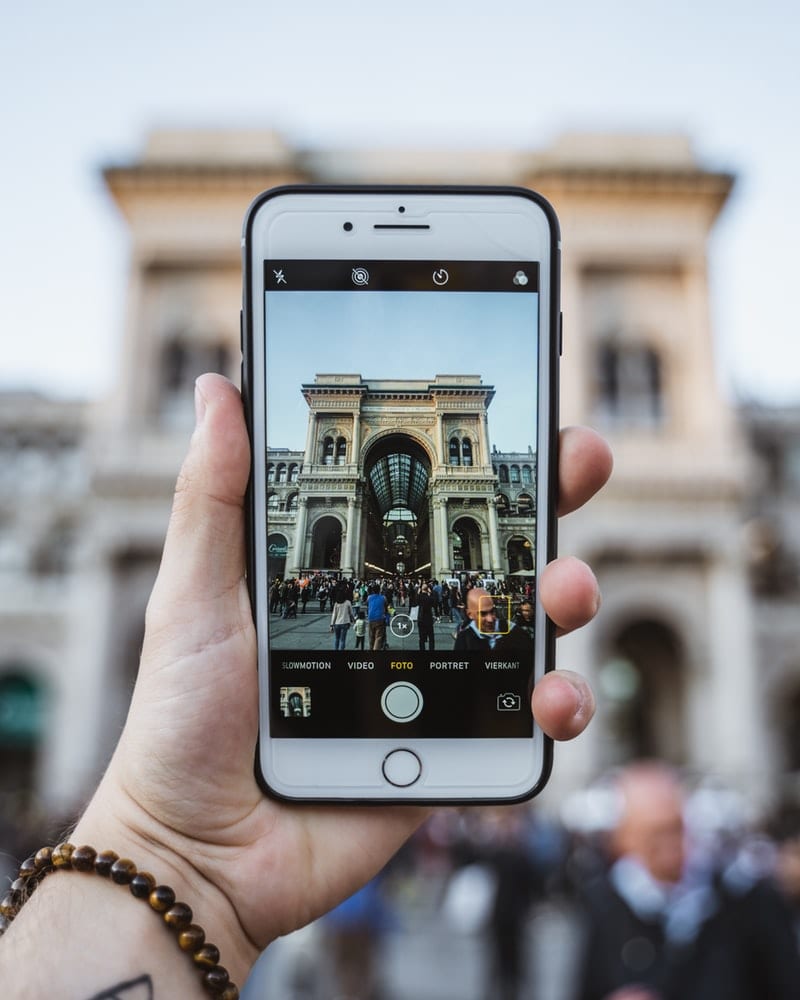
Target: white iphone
[400,376]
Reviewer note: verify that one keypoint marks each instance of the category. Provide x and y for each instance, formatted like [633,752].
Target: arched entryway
[398,470]
[466,541]
[277,548]
[643,684]
[520,554]
[326,544]
[22,722]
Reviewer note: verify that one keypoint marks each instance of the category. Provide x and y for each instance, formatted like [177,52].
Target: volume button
[560,333]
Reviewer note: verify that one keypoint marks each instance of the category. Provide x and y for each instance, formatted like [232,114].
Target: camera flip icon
[509,702]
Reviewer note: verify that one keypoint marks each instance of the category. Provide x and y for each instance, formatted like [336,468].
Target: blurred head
[526,611]
[480,609]
[651,826]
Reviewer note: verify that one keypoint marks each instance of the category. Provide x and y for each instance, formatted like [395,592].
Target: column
[311,441]
[296,561]
[494,540]
[356,436]
[441,445]
[357,554]
[486,457]
[485,556]
[440,556]
[347,549]
[735,725]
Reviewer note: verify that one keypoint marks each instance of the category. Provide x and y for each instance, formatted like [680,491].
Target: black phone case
[555,335]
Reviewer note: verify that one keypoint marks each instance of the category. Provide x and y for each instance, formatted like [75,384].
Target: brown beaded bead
[122,871]
[43,859]
[104,861]
[62,855]
[216,979]
[191,938]
[27,868]
[178,916]
[206,957]
[83,858]
[161,898]
[142,884]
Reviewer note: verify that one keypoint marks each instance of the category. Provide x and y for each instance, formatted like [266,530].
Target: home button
[401,768]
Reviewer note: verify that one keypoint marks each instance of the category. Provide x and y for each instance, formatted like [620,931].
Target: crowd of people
[669,890]
[469,603]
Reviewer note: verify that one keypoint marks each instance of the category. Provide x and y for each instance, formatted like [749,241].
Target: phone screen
[401,472]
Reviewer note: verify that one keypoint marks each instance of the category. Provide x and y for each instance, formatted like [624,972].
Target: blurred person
[341,617]
[360,629]
[179,796]
[377,612]
[355,931]
[525,617]
[785,829]
[484,631]
[517,887]
[662,928]
[426,604]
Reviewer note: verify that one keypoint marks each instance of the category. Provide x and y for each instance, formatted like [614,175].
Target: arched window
[527,477]
[503,473]
[629,384]
[183,358]
[455,455]
[270,473]
[327,451]
[466,451]
[291,503]
[524,505]
[515,474]
[294,469]
[341,451]
[502,504]
[273,502]
[282,473]
[22,723]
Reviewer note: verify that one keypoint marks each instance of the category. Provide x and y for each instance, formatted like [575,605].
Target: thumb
[202,566]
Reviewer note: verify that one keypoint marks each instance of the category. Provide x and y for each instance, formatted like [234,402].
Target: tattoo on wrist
[132,989]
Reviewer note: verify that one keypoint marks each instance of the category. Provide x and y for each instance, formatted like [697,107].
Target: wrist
[115,822]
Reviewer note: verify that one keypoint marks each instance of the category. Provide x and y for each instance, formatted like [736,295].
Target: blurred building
[673,655]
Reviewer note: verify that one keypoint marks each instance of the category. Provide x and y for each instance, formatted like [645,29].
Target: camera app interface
[401,474]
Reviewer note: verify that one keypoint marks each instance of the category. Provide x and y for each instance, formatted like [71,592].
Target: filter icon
[520,278]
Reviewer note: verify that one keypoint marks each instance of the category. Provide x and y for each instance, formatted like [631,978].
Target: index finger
[584,465]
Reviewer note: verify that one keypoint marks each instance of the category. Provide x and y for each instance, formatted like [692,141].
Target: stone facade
[673,655]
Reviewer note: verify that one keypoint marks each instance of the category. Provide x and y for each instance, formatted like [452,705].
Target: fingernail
[200,405]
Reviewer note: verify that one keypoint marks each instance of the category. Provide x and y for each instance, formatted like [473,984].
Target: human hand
[180,792]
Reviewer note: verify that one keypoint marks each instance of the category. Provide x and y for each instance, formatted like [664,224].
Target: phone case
[555,335]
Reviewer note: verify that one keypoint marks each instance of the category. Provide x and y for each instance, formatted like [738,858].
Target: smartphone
[400,376]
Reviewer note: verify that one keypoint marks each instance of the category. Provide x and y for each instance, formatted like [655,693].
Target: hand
[180,787]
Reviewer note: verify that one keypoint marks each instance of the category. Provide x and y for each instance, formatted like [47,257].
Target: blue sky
[82,83]
[404,335]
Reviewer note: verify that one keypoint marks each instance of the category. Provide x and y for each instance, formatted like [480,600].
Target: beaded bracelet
[177,916]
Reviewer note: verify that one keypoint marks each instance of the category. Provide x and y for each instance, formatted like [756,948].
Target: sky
[83,82]
[430,334]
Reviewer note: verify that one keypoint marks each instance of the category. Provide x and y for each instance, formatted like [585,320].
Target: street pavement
[425,958]
[311,631]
